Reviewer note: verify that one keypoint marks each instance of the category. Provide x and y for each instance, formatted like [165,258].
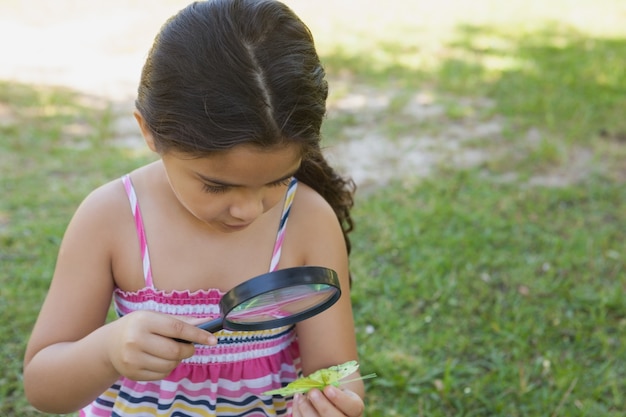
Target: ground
[98,48]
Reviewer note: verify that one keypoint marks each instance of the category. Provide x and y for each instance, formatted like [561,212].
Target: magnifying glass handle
[213,325]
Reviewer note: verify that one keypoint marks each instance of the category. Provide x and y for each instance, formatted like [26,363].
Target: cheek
[206,205]
[274,197]
[209,206]
[199,203]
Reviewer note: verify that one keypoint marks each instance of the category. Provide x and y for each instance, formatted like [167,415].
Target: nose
[247,207]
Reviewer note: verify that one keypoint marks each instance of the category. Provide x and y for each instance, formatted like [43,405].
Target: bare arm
[329,338]
[72,356]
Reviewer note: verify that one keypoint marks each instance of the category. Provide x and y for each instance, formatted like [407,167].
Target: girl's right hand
[142,344]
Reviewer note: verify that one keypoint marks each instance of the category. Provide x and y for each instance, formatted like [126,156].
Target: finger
[155,358]
[166,348]
[295,409]
[302,407]
[322,405]
[149,375]
[157,367]
[180,329]
[346,401]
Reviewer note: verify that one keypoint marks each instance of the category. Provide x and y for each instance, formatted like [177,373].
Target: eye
[214,189]
[281,183]
[217,189]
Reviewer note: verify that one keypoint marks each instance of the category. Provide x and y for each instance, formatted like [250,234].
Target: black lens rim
[271,281]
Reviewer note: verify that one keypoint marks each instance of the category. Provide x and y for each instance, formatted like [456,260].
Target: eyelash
[281,183]
[217,189]
[214,189]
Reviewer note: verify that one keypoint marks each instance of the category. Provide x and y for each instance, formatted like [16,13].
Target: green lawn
[478,291]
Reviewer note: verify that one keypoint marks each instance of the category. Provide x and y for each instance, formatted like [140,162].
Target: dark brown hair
[227,72]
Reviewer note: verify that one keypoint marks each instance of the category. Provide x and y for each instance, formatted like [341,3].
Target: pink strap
[141,233]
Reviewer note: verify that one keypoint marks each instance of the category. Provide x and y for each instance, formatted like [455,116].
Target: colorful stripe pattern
[291,192]
[141,232]
[223,380]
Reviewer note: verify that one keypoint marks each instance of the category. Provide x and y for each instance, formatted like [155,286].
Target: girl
[231,97]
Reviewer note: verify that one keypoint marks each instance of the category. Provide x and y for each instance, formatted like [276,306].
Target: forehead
[248,164]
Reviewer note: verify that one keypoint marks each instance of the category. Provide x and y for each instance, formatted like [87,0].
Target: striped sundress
[223,380]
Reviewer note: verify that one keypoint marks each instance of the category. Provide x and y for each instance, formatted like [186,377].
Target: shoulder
[106,200]
[310,207]
[101,210]
[314,227]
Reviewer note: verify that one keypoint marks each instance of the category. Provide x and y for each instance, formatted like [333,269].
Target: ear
[145,131]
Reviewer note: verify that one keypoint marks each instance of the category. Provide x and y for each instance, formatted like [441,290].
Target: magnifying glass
[277,299]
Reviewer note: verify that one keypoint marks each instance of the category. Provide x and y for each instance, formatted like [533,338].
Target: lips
[237,226]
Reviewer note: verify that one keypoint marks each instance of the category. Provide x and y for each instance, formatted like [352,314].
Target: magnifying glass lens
[281,303]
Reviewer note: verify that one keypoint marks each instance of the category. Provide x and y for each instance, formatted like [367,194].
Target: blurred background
[488,141]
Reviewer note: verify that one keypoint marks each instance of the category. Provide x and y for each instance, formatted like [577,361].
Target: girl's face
[230,189]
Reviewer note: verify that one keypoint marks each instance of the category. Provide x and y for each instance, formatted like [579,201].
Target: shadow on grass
[476,298]
[555,78]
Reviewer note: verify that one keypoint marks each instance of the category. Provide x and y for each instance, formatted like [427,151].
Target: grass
[496,299]
[45,171]
[476,292]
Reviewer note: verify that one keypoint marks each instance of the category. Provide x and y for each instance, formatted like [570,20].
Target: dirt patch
[7,117]
[373,154]
[99,48]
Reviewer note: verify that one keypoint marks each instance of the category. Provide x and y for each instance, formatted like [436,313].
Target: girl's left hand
[332,402]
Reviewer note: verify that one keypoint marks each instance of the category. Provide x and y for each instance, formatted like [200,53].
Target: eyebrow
[228,184]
